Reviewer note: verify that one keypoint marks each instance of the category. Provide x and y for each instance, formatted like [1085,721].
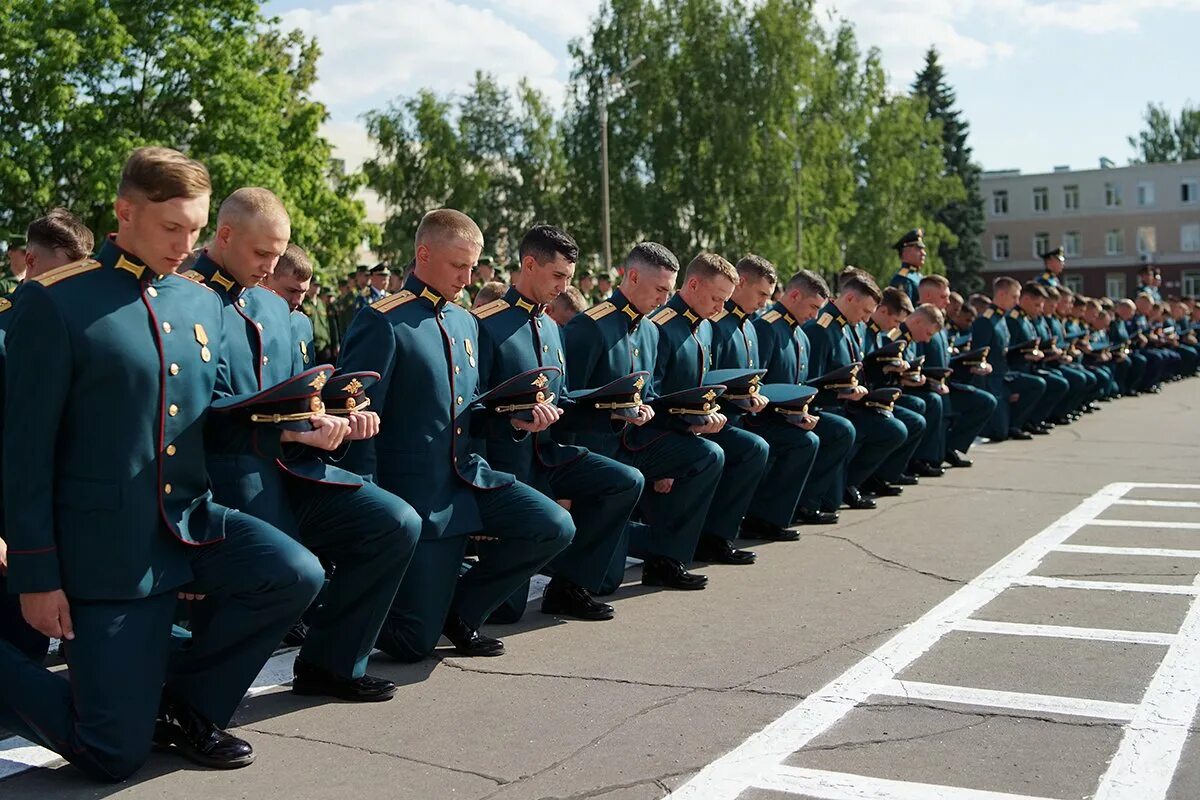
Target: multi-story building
[1110,221]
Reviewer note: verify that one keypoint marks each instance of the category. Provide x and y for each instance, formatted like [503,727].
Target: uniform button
[265,359]
[545,348]
[166,327]
[241,302]
[174,369]
[458,431]
[166,488]
[635,351]
[170,449]
[172,409]
[458,400]
[150,290]
[258,325]
[457,369]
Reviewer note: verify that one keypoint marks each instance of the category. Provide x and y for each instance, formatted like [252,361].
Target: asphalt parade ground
[1026,628]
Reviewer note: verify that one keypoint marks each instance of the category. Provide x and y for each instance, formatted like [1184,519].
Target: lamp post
[796,166]
[612,88]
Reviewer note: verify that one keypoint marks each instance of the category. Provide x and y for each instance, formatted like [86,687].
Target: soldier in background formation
[412,492]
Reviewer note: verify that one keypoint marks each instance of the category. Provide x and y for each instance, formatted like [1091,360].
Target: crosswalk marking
[1156,727]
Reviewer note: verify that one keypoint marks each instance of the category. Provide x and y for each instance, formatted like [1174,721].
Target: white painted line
[1160,552]
[1104,586]
[1145,523]
[1164,485]
[1158,503]
[764,752]
[1017,701]
[1145,762]
[845,786]
[1064,632]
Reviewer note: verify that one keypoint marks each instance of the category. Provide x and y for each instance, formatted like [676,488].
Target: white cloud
[375,50]
[561,19]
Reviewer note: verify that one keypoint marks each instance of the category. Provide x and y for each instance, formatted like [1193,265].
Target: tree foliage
[83,82]
[1166,139]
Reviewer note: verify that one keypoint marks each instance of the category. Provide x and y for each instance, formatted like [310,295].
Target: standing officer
[970,408]
[53,241]
[108,513]
[516,335]
[608,342]
[684,358]
[911,247]
[835,344]
[1054,261]
[366,532]
[784,354]
[1017,392]
[425,347]
[793,448]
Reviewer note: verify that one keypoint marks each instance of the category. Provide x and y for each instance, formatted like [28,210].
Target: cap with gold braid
[346,392]
[741,385]
[289,404]
[690,406]
[518,395]
[963,363]
[831,384]
[622,397]
[788,402]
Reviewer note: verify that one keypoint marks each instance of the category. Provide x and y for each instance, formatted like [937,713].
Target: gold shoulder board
[494,307]
[894,334]
[825,319]
[192,275]
[67,271]
[988,313]
[722,314]
[385,304]
[5,304]
[663,316]
[771,316]
[601,310]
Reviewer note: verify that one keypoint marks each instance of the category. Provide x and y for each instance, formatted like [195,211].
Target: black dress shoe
[905,479]
[957,460]
[924,469]
[1018,434]
[663,571]
[807,516]
[181,730]
[313,681]
[1062,419]
[469,641]
[754,528]
[1035,430]
[881,488]
[565,599]
[296,635]
[854,499]
[716,550]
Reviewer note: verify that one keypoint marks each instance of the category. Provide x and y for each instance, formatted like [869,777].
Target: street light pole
[799,212]
[611,88]
[604,176]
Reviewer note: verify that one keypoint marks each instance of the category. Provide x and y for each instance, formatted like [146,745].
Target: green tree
[959,213]
[1164,139]
[86,81]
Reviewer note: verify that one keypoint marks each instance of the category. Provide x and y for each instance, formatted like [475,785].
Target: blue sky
[1042,82]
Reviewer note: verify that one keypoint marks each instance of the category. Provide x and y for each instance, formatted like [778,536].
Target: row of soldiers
[184,455]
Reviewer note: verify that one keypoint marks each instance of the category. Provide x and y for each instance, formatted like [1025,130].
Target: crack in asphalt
[743,686]
[615,787]
[891,562]
[595,741]
[371,751]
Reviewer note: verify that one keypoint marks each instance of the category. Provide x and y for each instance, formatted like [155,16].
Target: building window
[1112,195]
[1041,243]
[1114,285]
[1189,190]
[1146,240]
[1191,283]
[1074,282]
[1114,242]
[1145,193]
[1041,199]
[1189,238]
[1072,243]
[1071,198]
[999,203]
[1000,247]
